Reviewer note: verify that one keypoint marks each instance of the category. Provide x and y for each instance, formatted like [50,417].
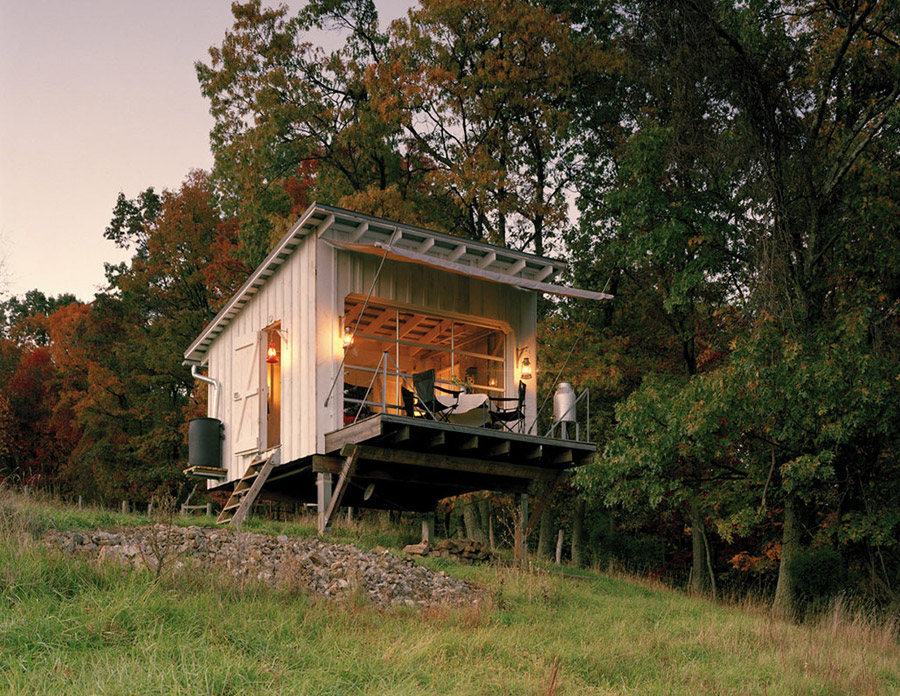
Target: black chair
[354,411]
[502,416]
[423,382]
[409,402]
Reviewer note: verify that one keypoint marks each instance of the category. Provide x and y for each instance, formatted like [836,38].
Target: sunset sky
[97,97]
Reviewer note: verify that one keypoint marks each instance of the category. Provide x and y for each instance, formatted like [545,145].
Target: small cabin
[369,350]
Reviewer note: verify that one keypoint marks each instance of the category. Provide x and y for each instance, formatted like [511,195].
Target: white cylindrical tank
[564,403]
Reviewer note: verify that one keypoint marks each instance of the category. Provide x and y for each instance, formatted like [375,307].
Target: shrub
[817,574]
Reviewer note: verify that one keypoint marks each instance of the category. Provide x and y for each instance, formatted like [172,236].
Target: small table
[468,409]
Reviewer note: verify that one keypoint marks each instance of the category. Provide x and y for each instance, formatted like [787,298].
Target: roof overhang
[404,255]
[405,243]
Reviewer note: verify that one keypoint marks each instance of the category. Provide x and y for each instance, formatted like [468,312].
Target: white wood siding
[289,297]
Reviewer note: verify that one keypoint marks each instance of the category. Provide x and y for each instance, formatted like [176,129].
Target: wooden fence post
[559,545]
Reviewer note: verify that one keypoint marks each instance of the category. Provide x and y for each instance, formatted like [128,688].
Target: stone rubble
[333,571]
[465,551]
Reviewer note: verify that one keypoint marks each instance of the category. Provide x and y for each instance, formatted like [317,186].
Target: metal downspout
[215,385]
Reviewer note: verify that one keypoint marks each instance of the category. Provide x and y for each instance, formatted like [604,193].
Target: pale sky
[97,97]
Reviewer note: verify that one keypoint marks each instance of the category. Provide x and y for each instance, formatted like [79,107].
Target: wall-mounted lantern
[272,353]
[348,337]
[526,368]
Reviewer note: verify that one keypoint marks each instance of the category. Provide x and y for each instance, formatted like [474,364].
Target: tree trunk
[474,528]
[487,523]
[460,527]
[547,536]
[578,534]
[700,580]
[783,605]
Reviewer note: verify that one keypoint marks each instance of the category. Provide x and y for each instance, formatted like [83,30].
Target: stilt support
[428,528]
[350,454]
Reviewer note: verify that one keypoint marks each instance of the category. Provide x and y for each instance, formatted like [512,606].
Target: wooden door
[246,368]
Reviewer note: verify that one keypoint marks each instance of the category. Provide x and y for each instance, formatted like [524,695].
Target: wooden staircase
[247,489]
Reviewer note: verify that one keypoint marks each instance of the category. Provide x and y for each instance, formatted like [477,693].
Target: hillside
[76,626]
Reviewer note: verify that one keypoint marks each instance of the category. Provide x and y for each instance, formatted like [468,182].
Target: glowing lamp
[348,337]
[272,353]
[526,368]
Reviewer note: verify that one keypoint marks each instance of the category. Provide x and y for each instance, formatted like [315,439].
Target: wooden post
[79,502]
[559,544]
[124,507]
[428,528]
[349,514]
[208,509]
[323,499]
[149,509]
[521,550]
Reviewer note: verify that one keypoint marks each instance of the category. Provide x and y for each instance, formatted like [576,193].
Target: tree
[119,361]
[24,321]
[749,177]
[294,122]
[482,88]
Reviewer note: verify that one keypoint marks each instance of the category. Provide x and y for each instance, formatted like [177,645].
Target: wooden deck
[412,463]
[400,463]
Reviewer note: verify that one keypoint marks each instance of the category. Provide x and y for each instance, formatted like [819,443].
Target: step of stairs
[247,489]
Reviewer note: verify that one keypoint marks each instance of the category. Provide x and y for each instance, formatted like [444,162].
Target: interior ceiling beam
[380,320]
[352,313]
[411,324]
[429,337]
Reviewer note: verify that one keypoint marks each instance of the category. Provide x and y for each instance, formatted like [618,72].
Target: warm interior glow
[273,387]
[348,337]
[526,368]
[461,351]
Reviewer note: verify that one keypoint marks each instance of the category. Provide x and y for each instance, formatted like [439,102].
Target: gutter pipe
[214,383]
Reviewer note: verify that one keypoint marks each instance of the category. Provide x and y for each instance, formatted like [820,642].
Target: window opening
[461,353]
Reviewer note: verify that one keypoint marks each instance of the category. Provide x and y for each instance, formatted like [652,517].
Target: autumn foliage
[728,170]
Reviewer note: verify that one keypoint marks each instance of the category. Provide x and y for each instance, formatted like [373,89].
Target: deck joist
[412,463]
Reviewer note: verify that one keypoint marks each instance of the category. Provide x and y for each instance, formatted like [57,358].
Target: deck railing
[562,426]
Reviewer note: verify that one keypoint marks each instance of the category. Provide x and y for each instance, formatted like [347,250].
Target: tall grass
[75,626]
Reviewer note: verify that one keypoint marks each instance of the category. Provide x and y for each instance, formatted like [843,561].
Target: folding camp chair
[423,382]
[502,416]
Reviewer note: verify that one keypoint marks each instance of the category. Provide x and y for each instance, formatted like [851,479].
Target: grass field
[78,627]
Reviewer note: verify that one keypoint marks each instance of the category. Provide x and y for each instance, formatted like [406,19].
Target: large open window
[392,344]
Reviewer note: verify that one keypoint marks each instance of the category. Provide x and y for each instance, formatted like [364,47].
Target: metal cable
[359,319]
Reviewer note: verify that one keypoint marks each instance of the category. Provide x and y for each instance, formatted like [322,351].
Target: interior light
[272,353]
[526,368]
[348,337]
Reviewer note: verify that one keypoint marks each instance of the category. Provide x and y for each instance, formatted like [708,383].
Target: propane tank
[564,403]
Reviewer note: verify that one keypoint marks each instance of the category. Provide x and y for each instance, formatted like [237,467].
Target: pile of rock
[333,571]
[464,551]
